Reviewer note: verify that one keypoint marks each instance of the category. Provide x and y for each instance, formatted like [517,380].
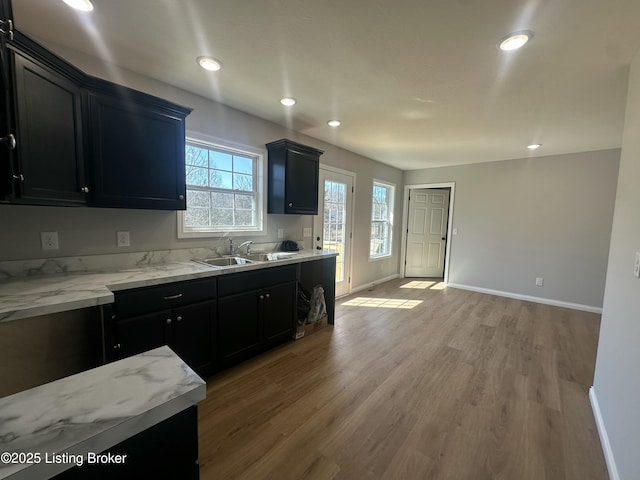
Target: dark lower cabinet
[188,330]
[256,310]
[194,335]
[166,450]
[239,326]
[279,312]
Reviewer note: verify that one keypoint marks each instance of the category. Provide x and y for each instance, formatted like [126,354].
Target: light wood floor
[461,386]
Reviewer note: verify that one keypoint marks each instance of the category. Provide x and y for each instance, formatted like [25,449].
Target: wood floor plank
[434,384]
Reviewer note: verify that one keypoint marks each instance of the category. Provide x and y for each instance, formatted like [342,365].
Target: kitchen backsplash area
[85,233]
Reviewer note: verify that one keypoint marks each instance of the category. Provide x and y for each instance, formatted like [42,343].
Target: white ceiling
[416,83]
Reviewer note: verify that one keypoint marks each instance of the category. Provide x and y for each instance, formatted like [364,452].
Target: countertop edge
[104,294]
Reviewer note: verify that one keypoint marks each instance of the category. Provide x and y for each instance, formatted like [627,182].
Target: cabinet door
[138,154]
[194,333]
[7,135]
[239,326]
[301,183]
[49,135]
[139,334]
[279,312]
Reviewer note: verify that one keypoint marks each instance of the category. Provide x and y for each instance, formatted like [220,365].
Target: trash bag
[304,304]
[318,308]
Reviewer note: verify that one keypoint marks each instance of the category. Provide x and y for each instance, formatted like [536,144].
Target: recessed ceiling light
[515,40]
[288,101]
[334,123]
[83,5]
[534,146]
[209,63]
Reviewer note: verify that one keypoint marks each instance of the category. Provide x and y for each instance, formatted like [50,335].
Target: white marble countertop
[24,297]
[94,410]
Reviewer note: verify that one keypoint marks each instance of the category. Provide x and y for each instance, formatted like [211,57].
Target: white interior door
[427,232]
[332,225]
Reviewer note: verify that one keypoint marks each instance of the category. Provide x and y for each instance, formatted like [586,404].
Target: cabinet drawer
[256,279]
[160,297]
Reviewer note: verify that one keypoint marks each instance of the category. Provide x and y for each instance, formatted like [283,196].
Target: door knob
[444,238]
[318,248]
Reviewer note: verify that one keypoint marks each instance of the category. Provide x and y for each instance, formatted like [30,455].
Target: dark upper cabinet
[293,178]
[50,143]
[137,150]
[70,139]
[43,98]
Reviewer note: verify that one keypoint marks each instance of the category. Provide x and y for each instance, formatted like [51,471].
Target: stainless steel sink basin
[225,261]
[268,257]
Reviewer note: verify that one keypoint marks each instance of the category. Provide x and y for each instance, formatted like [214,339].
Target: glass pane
[196,176]
[244,217]
[244,202]
[222,216]
[197,217]
[243,165]
[327,191]
[197,198]
[221,179]
[197,156]
[221,161]
[243,182]
[222,200]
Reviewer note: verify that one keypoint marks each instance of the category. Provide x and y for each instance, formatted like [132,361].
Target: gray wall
[520,219]
[617,379]
[85,231]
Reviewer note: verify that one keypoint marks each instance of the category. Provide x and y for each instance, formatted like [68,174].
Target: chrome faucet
[246,244]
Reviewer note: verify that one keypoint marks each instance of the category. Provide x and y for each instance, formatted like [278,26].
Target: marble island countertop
[24,297]
[94,410]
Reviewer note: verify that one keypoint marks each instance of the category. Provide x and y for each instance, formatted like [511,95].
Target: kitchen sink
[225,261]
[268,257]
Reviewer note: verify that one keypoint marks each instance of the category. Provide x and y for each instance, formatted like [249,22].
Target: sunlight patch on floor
[382,303]
[423,285]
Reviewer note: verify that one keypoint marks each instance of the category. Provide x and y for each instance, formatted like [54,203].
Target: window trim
[261,183]
[391,206]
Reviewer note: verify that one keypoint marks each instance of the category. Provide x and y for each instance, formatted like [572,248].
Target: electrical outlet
[123,239]
[539,281]
[49,240]
[280,233]
[306,232]
[636,267]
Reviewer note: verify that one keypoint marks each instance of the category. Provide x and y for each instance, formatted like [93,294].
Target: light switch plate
[636,267]
[280,233]
[49,240]
[539,281]
[306,232]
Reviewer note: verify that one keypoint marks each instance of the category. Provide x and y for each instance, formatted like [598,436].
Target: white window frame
[261,188]
[390,207]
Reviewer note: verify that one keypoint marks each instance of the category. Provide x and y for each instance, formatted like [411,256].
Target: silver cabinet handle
[267,295]
[117,346]
[173,297]
[261,297]
[168,321]
[85,189]
[291,204]
[180,197]
[18,177]
[179,318]
[9,141]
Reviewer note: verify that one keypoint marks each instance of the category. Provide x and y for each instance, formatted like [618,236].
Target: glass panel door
[332,225]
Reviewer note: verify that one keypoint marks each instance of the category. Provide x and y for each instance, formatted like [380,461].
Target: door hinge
[350,235]
[6,28]
[349,280]
[352,189]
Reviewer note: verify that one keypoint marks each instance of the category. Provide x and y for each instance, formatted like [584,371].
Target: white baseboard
[373,284]
[528,298]
[604,438]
